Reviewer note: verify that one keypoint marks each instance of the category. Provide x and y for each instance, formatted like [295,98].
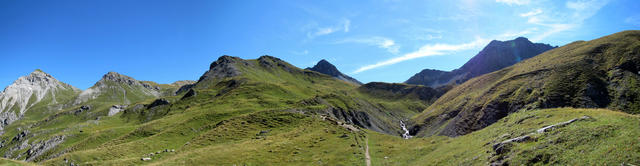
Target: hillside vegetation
[602,73]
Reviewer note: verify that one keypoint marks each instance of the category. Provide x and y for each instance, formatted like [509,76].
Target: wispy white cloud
[324,31]
[531,13]
[576,13]
[345,26]
[381,42]
[584,9]
[552,29]
[514,2]
[425,51]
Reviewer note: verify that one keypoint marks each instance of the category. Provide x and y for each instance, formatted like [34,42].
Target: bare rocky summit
[324,67]
[38,89]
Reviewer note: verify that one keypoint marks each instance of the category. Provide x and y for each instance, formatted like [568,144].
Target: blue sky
[78,41]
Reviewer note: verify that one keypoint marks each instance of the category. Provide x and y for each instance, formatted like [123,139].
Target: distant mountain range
[515,103]
[495,56]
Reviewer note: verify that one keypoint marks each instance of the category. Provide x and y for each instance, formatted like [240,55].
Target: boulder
[157,102]
[115,109]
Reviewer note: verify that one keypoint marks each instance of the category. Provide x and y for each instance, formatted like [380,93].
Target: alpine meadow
[463,82]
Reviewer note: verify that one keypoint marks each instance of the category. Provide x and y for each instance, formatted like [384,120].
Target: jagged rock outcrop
[184,86]
[157,102]
[189,93]
[224,67]
[495,56]
[115,87]
[324,67]
[39,148]
[36,90]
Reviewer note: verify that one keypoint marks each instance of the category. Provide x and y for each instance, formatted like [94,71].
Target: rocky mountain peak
[116,81]
[117,77]
[324,67]
[224,60]
[222,68]
[36,77]
[19,95]
[36,80]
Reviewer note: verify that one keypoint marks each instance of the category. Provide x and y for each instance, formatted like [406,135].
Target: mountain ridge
[113,84]
[494,56]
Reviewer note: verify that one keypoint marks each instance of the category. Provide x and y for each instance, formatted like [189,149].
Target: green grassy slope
[281,113]
[602,73]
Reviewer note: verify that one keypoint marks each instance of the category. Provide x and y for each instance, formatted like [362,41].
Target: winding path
[366,153]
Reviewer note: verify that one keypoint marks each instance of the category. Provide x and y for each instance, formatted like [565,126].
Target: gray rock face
[39,148]
[324,67]
[185,86]
[157,102]
[115,109]
[364,116]
[224,67]
[190,93]
[16,99]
